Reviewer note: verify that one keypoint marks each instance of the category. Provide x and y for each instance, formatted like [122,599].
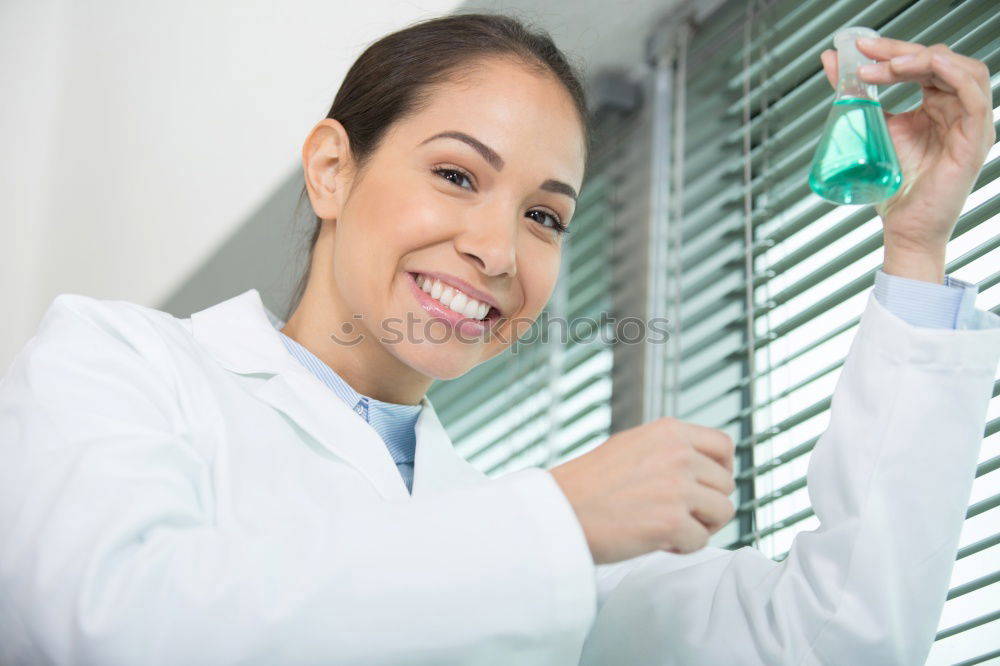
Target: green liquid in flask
[855,162]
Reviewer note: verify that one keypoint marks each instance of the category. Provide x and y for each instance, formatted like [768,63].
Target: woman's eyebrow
[494,160]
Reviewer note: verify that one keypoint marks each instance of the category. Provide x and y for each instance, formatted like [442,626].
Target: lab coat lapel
[437,465]
[334,426]
[240,334]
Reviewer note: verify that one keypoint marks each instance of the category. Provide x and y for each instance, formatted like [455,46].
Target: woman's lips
[468,326]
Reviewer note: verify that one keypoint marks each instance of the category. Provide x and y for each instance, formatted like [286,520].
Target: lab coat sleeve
[889,480]
[110,554]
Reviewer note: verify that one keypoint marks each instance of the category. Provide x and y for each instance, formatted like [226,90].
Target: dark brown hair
[394,78]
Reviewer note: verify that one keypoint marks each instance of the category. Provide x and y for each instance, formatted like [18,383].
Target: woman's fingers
[904,61]
[712,509]
[829,60]
[690,535]
[711,442]
[885,48]
[921,67]
[977,104]
[940,68]
[709,472]
[901,69]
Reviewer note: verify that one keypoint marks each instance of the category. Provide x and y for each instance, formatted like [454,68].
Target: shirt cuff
[920,303]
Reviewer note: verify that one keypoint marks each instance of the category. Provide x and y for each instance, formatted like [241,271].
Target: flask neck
[849,59]
[849,85]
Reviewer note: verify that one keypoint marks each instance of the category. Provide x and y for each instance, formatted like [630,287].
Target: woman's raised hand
[663,485]
[941,145]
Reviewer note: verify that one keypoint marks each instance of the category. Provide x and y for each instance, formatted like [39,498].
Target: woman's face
[430,204]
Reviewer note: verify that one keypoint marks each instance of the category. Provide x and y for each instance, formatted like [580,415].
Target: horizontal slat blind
[757,99]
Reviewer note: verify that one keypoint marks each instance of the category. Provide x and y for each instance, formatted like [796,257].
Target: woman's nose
[492,244]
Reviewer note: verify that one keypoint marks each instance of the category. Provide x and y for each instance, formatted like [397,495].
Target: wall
[139,137]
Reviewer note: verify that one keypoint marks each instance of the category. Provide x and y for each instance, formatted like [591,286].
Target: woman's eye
[556,224]
[445,172]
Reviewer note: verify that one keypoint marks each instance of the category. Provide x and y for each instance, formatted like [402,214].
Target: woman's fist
[663,485]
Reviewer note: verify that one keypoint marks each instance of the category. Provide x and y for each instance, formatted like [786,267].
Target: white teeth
[471,309]
[455,300]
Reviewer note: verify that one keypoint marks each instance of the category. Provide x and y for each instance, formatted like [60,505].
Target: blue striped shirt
[948,305]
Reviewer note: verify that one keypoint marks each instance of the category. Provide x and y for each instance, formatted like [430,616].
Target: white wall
[136,136]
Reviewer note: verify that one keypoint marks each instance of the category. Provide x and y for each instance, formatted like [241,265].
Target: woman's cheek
[542,271]
[426,218]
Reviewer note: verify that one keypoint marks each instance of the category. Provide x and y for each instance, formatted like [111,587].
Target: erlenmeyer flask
[855,162]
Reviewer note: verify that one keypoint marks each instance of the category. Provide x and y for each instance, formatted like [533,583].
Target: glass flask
[855,162]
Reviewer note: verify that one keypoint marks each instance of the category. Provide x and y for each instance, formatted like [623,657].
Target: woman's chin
[444,361]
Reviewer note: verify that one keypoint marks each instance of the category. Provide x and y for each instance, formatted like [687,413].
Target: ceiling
[597,41]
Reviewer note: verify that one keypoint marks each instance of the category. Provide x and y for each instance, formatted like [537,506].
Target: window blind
[773,279]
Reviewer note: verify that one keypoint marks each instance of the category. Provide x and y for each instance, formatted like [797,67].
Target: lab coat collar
[241,334]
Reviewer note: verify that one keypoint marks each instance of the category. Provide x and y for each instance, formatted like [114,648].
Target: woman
[190,491]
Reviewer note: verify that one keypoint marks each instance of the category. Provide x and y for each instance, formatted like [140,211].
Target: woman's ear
[326,167]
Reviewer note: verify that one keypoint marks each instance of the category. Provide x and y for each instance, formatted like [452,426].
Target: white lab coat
[182,491]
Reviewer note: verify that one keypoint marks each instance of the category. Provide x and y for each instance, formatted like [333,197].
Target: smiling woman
[410,174]
[268,492]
